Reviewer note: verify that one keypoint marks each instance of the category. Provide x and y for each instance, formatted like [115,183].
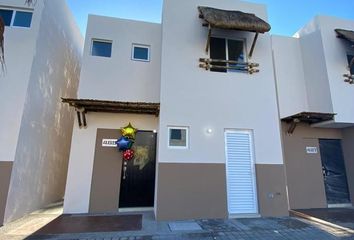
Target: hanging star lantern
[129,131]
[124,143]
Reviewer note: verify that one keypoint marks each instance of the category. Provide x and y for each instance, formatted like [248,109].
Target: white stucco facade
[119,77]
[296,74]
[43,63]
[18,42]
[199,99]
[311,80]
[189,96]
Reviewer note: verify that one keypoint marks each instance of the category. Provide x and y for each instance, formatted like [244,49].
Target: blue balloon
[124,143]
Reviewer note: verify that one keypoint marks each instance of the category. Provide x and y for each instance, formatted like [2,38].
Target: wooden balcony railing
[219,64]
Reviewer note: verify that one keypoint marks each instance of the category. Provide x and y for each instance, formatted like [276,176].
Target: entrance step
[323,223]
[184,226]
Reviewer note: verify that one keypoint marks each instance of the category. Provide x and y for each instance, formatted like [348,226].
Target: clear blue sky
[285,16]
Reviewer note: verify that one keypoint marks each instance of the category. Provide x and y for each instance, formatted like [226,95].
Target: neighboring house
[43,60]
[209,139]
[207,95]
[316,103]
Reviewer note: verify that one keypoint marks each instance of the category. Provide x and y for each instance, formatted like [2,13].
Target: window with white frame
[178,137]
[16,18]
[229,50]
[101,48]
[141,52]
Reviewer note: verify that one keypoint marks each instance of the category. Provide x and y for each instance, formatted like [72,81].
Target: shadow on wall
[40,167]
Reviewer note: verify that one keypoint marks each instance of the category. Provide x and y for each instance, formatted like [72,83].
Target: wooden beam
[292,126]
[242,68]
[253,45]
[210,61]
[208,40]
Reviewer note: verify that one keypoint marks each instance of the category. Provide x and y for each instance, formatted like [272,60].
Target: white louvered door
[240,173]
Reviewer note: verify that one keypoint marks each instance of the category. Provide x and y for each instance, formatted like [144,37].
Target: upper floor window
[23,19]
[141,52]
[16,18]
[6,16]
[101,48]
[230,54]
[350,58]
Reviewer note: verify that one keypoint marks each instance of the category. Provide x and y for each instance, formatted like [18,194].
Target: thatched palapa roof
[345,34]
[233,20]
[310,117]
[92,105]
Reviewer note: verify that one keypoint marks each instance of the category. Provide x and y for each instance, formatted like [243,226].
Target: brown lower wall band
[198,190]
[5,176]
[106,176]
[348,151]
[191,190]
[304,171]
[271,188]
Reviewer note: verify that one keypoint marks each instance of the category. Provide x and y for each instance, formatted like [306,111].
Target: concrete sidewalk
[242,229]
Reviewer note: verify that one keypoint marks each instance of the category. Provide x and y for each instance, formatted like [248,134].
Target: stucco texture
[42,152]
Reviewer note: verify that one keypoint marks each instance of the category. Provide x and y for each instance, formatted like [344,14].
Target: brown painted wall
[348,151]
[5,176]
[106,175]
[271,187]
[304,171]
[191,190]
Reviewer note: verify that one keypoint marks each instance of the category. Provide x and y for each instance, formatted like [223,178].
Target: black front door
[138,180]
[333,167]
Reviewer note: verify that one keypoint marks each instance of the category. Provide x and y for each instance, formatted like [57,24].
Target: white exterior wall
[119,78]
[335,56]
[324,61]
[43,144]
[316,78]
[290,78]
[199,99]
[78,186]
[19,52]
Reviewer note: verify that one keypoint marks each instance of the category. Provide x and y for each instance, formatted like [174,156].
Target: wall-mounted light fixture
[209,131]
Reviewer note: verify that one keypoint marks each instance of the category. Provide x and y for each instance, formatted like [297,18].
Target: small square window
[101,48]
[141,53]
[178,137]
[350,59]
[6,16]
[23,19]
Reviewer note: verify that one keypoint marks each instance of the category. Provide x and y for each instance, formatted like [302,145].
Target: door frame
[142,209]
[335,205]
[250,132]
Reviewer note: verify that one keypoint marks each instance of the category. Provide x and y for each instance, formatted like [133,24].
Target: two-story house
[200,90]
[314,75]
[42,63]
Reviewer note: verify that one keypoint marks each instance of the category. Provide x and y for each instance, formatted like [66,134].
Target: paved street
[214,229]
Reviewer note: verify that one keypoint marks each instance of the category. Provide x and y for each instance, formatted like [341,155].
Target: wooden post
[79,118]
[292,126]
[351,64]
[253,45]
[84,119]
[208,40]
